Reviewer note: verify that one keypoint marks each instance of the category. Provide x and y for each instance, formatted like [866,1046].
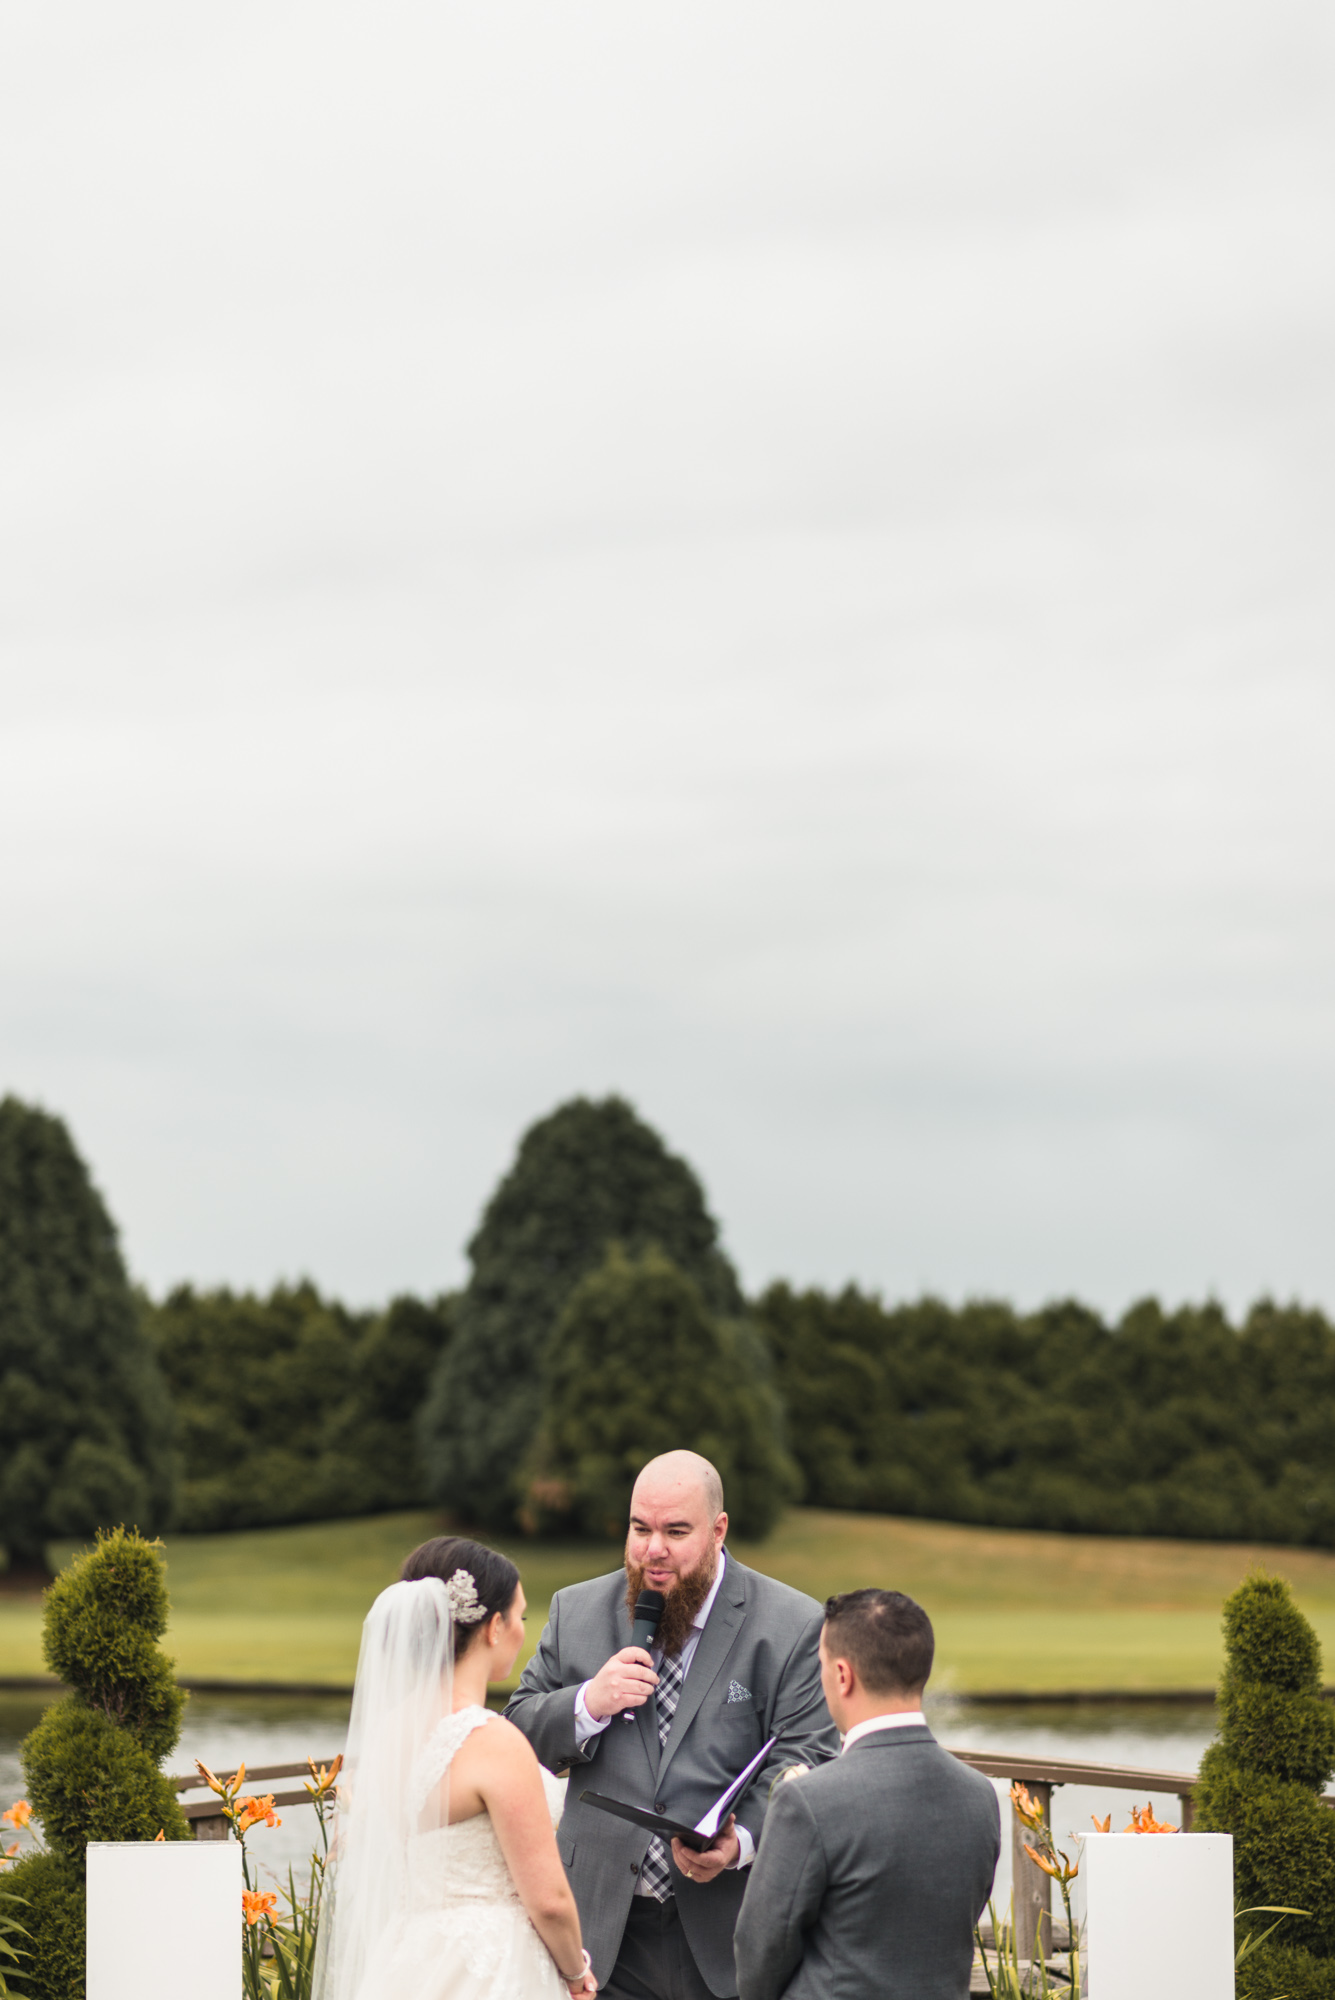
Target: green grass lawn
[1011,1609]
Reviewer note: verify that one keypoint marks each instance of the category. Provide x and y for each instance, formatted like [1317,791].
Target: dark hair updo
[495,1577]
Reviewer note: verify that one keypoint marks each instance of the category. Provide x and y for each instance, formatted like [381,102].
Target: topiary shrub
[92,1761]
[1261,1781]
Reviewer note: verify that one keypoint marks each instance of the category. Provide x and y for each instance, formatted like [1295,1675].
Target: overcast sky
[777,560]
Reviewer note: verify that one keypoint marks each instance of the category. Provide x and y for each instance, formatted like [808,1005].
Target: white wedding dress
[464,1934]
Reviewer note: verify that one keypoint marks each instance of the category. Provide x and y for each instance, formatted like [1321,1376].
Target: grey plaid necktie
[656,1869]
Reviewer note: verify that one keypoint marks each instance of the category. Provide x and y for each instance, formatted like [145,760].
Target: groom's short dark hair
[885,1637]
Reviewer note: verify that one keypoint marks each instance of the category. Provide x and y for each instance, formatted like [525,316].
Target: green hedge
[1165,1424]
[292,1408]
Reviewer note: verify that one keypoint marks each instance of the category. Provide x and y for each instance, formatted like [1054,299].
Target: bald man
[735,1662]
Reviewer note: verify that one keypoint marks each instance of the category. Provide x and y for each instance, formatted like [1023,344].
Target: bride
[444,1882]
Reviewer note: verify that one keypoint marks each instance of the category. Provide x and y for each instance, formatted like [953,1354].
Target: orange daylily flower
[224,1787]
[1027,1809]
[1060,1869]
[251,1811]
[161,1834]
[8,1853]
[255,1906]
[1102,1825]
[18,1815]
[1145,1822]
[323,1777]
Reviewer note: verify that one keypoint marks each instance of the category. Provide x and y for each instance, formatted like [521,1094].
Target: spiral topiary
[92,1761]
[1262,1780]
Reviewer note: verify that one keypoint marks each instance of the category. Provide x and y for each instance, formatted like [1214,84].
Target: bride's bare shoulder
[507,1741]
[501,1763]
[499,1742]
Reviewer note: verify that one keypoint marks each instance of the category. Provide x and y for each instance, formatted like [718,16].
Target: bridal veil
[387,1792]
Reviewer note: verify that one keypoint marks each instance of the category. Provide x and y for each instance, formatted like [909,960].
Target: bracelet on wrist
[578,1978]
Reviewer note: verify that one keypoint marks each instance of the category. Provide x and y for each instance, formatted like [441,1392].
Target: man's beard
[680,1604]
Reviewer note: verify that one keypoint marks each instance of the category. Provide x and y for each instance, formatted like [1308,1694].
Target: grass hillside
[1011,1609]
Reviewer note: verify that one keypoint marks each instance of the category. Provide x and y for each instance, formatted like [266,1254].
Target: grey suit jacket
[755,1674]
[871,1876]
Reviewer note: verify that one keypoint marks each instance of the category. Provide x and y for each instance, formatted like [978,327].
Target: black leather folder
[705,1831]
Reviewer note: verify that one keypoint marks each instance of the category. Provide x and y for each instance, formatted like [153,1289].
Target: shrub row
[601,1319]
[291,1408]
[1164,1424]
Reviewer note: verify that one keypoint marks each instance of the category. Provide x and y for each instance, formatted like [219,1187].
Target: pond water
[280,1729]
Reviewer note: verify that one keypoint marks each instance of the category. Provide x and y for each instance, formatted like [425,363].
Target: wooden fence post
[1031,1889]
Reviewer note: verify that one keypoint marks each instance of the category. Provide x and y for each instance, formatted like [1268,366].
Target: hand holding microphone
[626,1681]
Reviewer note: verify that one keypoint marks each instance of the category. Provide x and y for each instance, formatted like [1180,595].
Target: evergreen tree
[669,1376]
[1262,1781]
[92,1762]
[1169,1424]
[590,1174]
[292,1408]
[85,1422]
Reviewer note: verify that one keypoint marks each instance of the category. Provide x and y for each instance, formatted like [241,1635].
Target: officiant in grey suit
[734,1663]
[873,1869]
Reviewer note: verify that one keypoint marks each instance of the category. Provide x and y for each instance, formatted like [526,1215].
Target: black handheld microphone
[644,1625]
[648,1611]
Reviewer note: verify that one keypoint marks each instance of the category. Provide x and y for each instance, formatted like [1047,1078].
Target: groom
[875,1868]
[734,1663]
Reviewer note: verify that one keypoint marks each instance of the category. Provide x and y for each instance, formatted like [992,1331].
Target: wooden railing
[1040,1775]
[1031,1889]
[205,1815]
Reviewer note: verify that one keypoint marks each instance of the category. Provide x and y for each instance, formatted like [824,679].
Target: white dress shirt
[903,1719]
[586,1726]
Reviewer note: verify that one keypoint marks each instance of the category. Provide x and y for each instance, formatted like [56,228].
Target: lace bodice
[463,1862]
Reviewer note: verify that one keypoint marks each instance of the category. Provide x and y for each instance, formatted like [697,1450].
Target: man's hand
[626,1681]
[703,1864]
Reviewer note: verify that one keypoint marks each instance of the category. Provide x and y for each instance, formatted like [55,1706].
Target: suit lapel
[646,1721]
[716,1642]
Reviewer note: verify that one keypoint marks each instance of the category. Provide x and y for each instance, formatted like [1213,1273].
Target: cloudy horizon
[772,562]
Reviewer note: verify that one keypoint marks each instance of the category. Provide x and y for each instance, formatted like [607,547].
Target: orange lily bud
[1102,1825]
[1027,1809]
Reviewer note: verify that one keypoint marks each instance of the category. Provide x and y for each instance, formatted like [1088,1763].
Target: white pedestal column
[1158,1914]
[164,1919]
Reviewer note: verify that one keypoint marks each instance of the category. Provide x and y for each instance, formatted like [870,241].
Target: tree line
[603,1321]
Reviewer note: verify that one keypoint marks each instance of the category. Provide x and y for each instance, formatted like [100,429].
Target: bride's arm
[509,1784]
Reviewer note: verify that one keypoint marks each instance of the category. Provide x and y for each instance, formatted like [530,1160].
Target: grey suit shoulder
[871,1874]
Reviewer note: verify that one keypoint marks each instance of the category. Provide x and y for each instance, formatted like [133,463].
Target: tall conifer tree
[588,1175]
[85,1422]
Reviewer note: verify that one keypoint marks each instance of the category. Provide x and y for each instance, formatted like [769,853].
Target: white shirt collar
[906,1719]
